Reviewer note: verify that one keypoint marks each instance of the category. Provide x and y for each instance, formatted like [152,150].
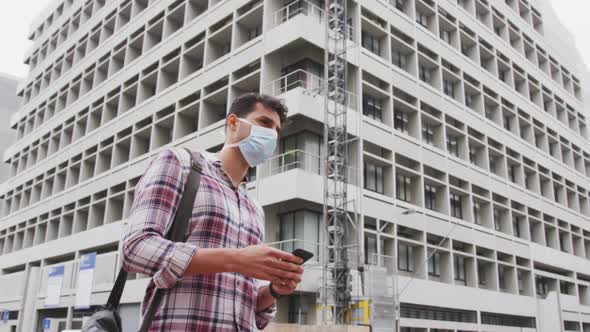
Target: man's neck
[233,164]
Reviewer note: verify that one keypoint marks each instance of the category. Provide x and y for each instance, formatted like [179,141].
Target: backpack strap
[178,230]
[175,234]
[117,291]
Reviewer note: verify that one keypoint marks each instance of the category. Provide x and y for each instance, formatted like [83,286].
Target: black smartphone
[303,254]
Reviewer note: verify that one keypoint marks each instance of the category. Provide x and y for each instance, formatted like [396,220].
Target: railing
[298,7]
[303,160]
[296,79]
[302,79]
[306,8]
[294,159]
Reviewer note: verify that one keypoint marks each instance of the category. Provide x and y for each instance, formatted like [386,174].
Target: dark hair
[246,103]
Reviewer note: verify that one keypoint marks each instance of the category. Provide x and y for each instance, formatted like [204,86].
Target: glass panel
[298,225]
[311,232]
[287,231]
[371,249]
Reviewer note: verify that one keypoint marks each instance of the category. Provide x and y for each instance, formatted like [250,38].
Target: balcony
[310,83]
[299,7]
[309,9]
[302,160]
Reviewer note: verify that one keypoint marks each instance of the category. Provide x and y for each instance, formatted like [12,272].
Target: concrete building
[469,112]
[9,103]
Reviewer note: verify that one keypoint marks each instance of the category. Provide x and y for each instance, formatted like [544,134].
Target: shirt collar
[217,163]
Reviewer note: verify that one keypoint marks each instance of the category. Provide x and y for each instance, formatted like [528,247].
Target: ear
[231,122]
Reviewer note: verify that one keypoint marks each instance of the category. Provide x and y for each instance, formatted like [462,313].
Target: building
[469,112]
[9,103]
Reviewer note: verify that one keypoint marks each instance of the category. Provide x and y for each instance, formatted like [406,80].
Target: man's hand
[284,287]
[267,263]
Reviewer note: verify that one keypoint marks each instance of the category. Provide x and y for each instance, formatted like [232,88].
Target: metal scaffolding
[336,289]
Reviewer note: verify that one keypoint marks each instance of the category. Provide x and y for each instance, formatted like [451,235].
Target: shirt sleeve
[145,248]
[264,317]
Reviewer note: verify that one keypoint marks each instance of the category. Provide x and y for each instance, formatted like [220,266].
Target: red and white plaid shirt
[224,216]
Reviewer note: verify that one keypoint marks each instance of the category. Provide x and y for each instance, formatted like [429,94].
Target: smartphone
[303,254]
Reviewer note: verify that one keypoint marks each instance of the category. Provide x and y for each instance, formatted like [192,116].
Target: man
[210,279]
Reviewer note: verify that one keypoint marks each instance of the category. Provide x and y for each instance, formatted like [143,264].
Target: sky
[16,16]
[573,14]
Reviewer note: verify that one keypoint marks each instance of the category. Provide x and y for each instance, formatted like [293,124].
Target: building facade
[470,113]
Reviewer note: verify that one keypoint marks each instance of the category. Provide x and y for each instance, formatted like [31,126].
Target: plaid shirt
[224,216]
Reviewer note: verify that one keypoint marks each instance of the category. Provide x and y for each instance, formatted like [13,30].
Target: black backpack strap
[178,230]
[117,291]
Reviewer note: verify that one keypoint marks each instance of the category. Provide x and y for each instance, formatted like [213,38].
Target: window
[422,19]
[542,286]
[493,165]
[424,73]
[507,123]
[373,177]
[511,173]
[434,263]
[254,32]
[298,74]
[398,59]
[372,107]
[489,318]
[301,150]
[476,212]
[405,260]
[428,134]
[295,8]
[497,225]
[456,206]
[452,145]
[498,31]
[371,43]
[502,75]
[520,277]
[489,113]
[371,252]
[501,276]
[481,275]
[562,243]
[563,287]
[400,121]
[302,225]
[468,100]
[429,197]
[226,48]
[472,155]
[449,88]
[298,310]
[399,4]
[403,187]
[459,267]
[516,226]
[445,35]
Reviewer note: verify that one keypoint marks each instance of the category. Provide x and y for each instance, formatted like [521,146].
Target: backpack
[107,318]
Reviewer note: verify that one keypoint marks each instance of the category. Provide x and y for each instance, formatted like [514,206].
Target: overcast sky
[15,18]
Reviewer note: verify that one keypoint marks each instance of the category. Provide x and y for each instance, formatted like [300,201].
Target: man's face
[261,116]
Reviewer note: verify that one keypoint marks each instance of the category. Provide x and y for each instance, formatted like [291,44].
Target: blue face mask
[259,146]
